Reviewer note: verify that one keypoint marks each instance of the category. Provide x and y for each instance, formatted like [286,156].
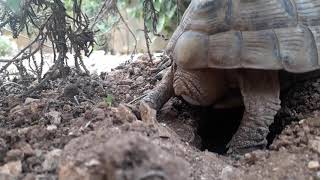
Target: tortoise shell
[258,34]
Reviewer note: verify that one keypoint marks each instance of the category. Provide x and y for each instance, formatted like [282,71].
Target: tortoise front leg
[162,92]
[260,90]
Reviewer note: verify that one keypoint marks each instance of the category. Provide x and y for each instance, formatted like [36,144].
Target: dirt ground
[100,136]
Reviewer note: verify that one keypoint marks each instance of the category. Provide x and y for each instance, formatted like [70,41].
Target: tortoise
[225,44]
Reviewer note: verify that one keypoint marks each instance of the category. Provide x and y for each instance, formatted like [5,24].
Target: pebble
[128,97]
[315,145]
[229,172]
[51,161]
[92,162]
[140,79]
[54,117]
[13,168]
[136,70]
[313,165]
[26,149]
[70,91]
[14,154]
[123,114]
[98,114]
[52,127]
[30,100]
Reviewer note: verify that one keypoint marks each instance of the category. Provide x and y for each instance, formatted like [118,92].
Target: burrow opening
[217,126]
[300,94]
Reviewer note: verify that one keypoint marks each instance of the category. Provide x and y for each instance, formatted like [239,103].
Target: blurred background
[118,33]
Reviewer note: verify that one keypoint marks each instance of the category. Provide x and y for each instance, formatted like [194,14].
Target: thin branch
[16,59]
[129,29]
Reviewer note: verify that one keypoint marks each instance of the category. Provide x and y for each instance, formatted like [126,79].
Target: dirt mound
[77,128]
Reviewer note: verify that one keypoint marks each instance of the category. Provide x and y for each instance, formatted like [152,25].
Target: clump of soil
[79,128]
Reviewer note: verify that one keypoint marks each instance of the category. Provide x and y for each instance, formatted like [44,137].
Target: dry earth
[52,135]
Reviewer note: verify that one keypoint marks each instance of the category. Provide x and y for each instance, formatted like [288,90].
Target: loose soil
[100,135]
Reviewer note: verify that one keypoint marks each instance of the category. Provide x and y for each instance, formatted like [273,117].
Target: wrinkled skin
[260,91]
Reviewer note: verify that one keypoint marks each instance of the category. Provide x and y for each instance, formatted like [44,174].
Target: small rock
[14,155]
[128,97]
[30,100]
[70,91]
[148,115]
[52,160]
[140,80]
[93,162]
[98,114]
[125,82]
[102,105]
[229,172]
[67,116]
[123,114]
[136,70]
[23,131]
[313,165]
[315,145]
[52,127]
[13,168]
[54,117]
[26,149]
[67,108]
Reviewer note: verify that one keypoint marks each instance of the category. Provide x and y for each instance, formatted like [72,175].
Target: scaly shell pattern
[259,34]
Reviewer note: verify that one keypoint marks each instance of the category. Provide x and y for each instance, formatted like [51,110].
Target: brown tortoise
[225,44]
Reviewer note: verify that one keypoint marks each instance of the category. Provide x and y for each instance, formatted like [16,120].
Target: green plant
[108,100]
[6,46]
[166,11]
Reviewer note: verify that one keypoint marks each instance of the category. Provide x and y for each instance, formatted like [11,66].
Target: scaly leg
[260,90]
[162,92]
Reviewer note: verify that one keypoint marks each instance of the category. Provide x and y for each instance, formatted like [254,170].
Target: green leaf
[14,5]
[108,100]
[157,5]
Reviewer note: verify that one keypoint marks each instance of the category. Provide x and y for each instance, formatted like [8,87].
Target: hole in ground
[217,126]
